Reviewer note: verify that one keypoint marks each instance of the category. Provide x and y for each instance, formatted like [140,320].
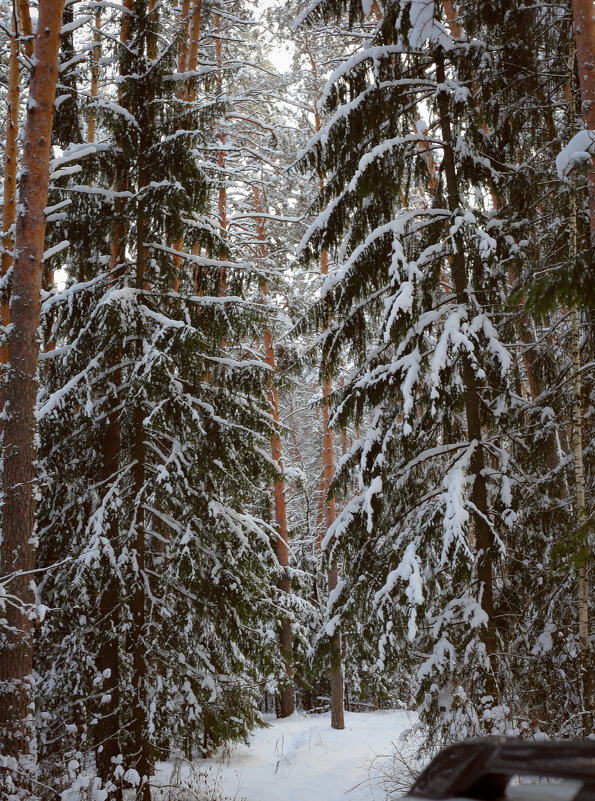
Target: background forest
[298,386]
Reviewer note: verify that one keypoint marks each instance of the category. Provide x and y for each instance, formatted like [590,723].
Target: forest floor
[301,758]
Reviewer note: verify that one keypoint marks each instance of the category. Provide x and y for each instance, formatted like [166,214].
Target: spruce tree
[154,412]
[426,220]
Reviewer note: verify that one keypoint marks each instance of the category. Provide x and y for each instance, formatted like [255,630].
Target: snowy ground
[302,759]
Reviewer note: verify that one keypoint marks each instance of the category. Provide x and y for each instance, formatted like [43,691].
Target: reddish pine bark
[181,95]
[326,510]
[222,201]
[94,75]
[583,16]
[153,19]
[187,62]
[17,551]
[328,470]
[193,47]
[452,17]
[287,695]
[10,174]
[25,23]
[183,46]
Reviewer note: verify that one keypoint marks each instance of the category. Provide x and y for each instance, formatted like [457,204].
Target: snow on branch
[72,26]
[578,152]
[300,19]
[425,26]
[47,254]
[373,53]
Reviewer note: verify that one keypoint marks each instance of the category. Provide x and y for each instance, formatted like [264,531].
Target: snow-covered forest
[297,376]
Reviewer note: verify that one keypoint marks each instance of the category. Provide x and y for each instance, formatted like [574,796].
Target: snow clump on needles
[579,151]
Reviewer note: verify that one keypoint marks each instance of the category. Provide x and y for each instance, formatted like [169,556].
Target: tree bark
[94,75]
[183,43]
[141,757]
[583,16]
[26,27]
[192,59]
[328,471]
[187,62]
[586,657]
[582,551]
[10,175]
[582,548]
[107,731]
[287,694]
[328,468]
[222,200]
[17,550]
[142,760]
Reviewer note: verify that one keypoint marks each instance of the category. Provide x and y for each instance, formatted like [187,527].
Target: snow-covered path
[302,759]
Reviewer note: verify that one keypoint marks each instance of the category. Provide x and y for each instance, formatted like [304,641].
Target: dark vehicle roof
[481,769]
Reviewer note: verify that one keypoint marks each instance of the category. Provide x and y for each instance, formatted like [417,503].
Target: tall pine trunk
[328,472]
[187,62]
[17,549]
[287,694]
[141,760]
[26,27]
[10,173]
[582,555]
[94,75]
[583,16]
[582,550]
[192,58]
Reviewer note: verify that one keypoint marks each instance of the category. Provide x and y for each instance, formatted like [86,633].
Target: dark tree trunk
[583,16]
[335,655]
[483,535]
[107,731]
[141,760]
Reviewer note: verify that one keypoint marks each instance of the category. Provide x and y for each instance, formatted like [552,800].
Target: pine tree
[155,413]
[19,467]
[10,166]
